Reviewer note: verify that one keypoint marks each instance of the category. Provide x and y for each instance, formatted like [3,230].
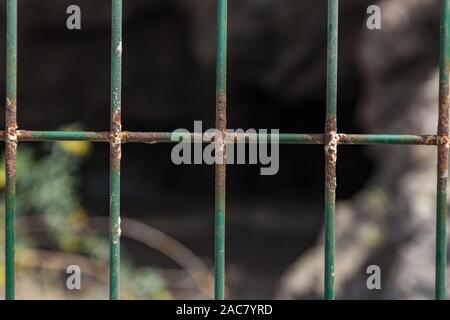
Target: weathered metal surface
[115,149]
[220,170]
[330,139]
[443,149]
[24,135]
[331,142]
[281,138]
[373,139]
[10,144]
[147,137]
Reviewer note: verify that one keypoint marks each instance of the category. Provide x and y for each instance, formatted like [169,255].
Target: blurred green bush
[53,231]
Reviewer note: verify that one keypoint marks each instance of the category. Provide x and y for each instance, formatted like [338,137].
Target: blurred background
[388,83]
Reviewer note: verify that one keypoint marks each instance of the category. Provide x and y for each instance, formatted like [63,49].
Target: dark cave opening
[64,78]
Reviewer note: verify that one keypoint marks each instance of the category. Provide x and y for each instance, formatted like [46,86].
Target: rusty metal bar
[220,169]
[330,139]
[443,149]
[378,139]
[282,138]
[115,149]
[331,142]
[10,144]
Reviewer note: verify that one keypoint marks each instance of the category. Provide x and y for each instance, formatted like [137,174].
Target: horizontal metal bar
[153,137]
[368,139]
[24,135]
[169,137]
[164,137]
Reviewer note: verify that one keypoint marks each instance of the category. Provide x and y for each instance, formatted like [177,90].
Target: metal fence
[330,139]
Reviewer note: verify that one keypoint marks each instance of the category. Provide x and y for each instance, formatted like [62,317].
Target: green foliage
[48,198]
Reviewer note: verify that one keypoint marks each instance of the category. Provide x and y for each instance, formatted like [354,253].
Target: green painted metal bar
[11,145]
[220,170]
[281,138]
[115,149]
[331,142]
[387,139]
[443,149]
[24,135]
[330,139]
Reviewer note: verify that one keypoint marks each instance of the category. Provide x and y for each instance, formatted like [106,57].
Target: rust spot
[443,161]
[11,136]
[430,140]
[116,121]
[11,152]
[220,180]
[146,137]
[331,143]
[11,111]
[221,124]
[116,232]
[443,142]
[220,142]
[342,137]
[124,136]
[443,126]
[331,125]
[332,140]
[24,135]
[317,138]
[330,161]
[221,114]
[115,137]
[330,180]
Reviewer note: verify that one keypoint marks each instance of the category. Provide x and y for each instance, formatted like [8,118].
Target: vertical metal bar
[331,141]
[115,149]
[443,149]
[221,124]
[11,143]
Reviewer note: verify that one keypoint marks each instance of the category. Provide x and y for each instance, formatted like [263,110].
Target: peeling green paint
[331,141]
[11,145]
[221,124]
[115,146]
